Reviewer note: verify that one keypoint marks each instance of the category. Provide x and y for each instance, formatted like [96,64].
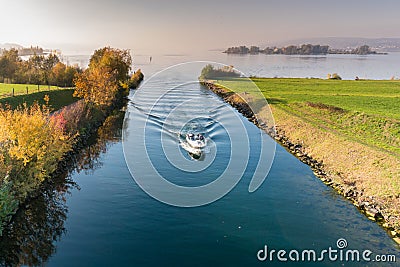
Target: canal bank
[36,143]
[289,131]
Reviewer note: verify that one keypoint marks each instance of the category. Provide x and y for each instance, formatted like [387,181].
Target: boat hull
[196,143]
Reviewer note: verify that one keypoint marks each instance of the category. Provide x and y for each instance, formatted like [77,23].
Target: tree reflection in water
[30,238]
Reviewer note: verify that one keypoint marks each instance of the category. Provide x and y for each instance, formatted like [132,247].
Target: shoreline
[366,204]
[79,143]
[79,140]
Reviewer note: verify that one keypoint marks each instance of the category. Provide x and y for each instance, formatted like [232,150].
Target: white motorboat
[196,141]
[194,153]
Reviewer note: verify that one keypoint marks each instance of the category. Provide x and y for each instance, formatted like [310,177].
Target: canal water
[117,206]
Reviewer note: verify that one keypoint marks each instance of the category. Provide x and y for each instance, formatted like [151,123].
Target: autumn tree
[46,66]
[135,79]
[106,78]
[23,73]
[98,86]
[41,67]
[115,59]
[35,68]
[38,69]
[8,64]
[62,75]
[58,73]
[69,75]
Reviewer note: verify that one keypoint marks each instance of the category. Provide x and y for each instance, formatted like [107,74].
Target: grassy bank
[353,127]
[6,89]
[58,99]
[367,112]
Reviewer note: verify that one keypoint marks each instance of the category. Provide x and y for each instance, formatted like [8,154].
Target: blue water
[106,219]
[111,221]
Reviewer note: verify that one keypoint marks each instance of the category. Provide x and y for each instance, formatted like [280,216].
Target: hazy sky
[180,26]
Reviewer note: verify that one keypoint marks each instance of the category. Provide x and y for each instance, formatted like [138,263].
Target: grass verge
[58,99]
[353,127]
[6,89]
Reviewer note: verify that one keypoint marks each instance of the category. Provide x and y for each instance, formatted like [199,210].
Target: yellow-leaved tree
[106,78]
[98,86]
[32,143]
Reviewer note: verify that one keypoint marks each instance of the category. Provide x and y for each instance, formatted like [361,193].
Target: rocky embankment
[368,205]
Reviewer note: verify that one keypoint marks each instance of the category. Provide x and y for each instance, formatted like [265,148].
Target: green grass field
[59,97]
[6,89]
[369,96]
[364,111]
[352,126]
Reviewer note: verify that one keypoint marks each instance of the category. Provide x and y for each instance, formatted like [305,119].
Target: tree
[69,75]
[306,49]
[106,78]
[209,72]
[62,75]
[98,86]
[115,59]
[35,69]
[206,71]
[291,50]
[38,69]
[47,65]
[23,73]
[362,50]
[135,79]
[58,74]
[334,76]
[9,63]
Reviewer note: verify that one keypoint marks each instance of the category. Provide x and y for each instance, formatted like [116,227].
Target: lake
[376,67]
[113,208]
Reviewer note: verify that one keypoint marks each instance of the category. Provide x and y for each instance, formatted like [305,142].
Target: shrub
[135,79]
[8,203]
[209,72]
[32,144]
[76,117]
[334,76]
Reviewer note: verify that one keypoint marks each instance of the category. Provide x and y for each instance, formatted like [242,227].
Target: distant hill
[379,44]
